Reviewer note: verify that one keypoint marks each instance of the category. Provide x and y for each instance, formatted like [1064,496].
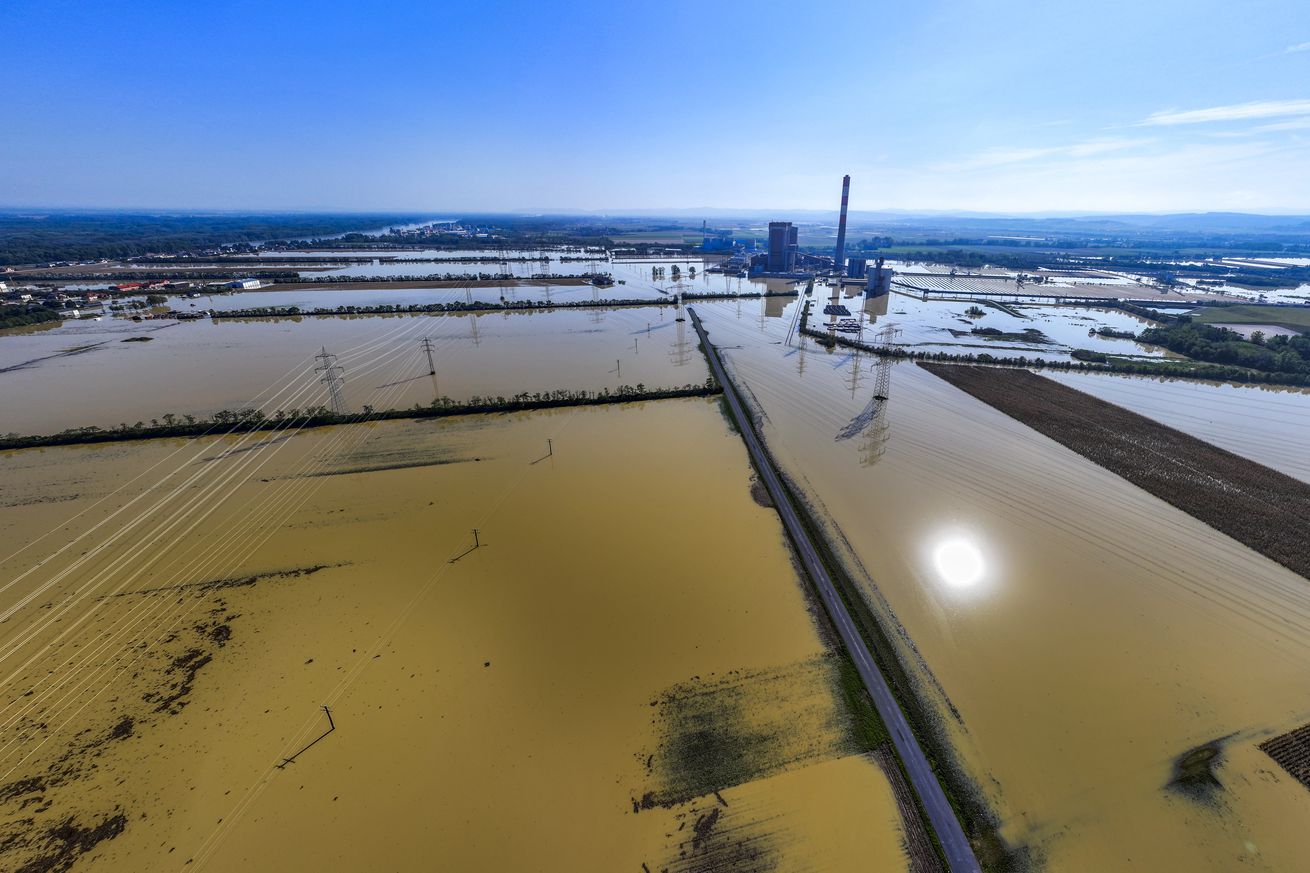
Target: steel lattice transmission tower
[427,347]
[333,376]
[883,377]
[878,431]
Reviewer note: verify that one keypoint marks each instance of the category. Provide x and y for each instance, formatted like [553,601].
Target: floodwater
[941,325]
[386,295]
[629,637]
[84,373]
[1269,330]
[1269,424]
[1075,634]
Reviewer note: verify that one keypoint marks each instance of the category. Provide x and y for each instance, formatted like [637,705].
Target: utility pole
[427,347]
[333,376]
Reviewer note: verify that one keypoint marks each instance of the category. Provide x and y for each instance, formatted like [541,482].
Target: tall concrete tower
[839,263]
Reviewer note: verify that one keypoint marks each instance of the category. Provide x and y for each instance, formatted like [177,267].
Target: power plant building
[783,244]
[878,281]
[856,268]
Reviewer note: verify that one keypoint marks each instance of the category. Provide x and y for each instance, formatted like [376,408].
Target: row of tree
[30,315]
[478,306]
[246,420]
[1219,345]
[1085,361]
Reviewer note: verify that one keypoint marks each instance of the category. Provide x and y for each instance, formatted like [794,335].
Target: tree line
[1084,361]
[247,420]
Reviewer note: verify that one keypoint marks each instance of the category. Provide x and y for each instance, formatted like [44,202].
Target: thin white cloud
[1290,124]
[1234,112]
[1202,176]
[1002,157]
[1296,49]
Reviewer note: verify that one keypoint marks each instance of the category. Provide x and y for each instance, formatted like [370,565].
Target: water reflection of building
[775,306]
[876,306]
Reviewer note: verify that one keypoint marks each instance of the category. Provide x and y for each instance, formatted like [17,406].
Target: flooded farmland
[1079,640]
[622,669]
[1266,423]
[957,326]
[106,372]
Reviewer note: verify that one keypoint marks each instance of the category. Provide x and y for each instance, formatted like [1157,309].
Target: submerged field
[625,672]
[1265,423]
[1074,638]
[1253,504]
[101,373]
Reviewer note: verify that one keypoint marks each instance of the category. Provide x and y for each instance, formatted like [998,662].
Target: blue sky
[986,105]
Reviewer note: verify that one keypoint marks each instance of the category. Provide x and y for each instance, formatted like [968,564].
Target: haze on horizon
[993,107]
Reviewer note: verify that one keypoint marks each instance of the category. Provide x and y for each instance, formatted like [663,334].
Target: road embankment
[955,845]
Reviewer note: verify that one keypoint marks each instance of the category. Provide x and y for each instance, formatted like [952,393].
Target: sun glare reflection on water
[958,562]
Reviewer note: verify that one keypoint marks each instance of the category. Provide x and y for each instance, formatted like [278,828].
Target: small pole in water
[550,448]
[476,544]
[634,345]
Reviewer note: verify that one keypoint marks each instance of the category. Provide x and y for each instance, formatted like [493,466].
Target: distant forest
[39,237]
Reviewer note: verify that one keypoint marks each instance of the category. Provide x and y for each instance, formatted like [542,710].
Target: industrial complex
[784,260]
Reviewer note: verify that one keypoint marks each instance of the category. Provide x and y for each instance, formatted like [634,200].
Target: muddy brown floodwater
[1266,423]
[1086,647]
[625,672]
[84,373]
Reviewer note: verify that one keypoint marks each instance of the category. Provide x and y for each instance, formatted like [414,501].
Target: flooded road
[628,638]
[1074,634]
[101,373]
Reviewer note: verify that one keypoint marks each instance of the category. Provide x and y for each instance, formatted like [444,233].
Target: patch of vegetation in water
[1027,335]
[727,415]
[717,732]
[866,725]
[711,837]
[63,844]
[1193,773]
[1111,333]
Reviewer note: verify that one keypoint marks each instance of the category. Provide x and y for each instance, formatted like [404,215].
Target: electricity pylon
[333,376]
[427,347]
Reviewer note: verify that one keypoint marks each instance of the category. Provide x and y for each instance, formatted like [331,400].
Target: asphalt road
[959,854]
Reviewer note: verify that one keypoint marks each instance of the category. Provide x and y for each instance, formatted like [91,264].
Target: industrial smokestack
[839,263]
